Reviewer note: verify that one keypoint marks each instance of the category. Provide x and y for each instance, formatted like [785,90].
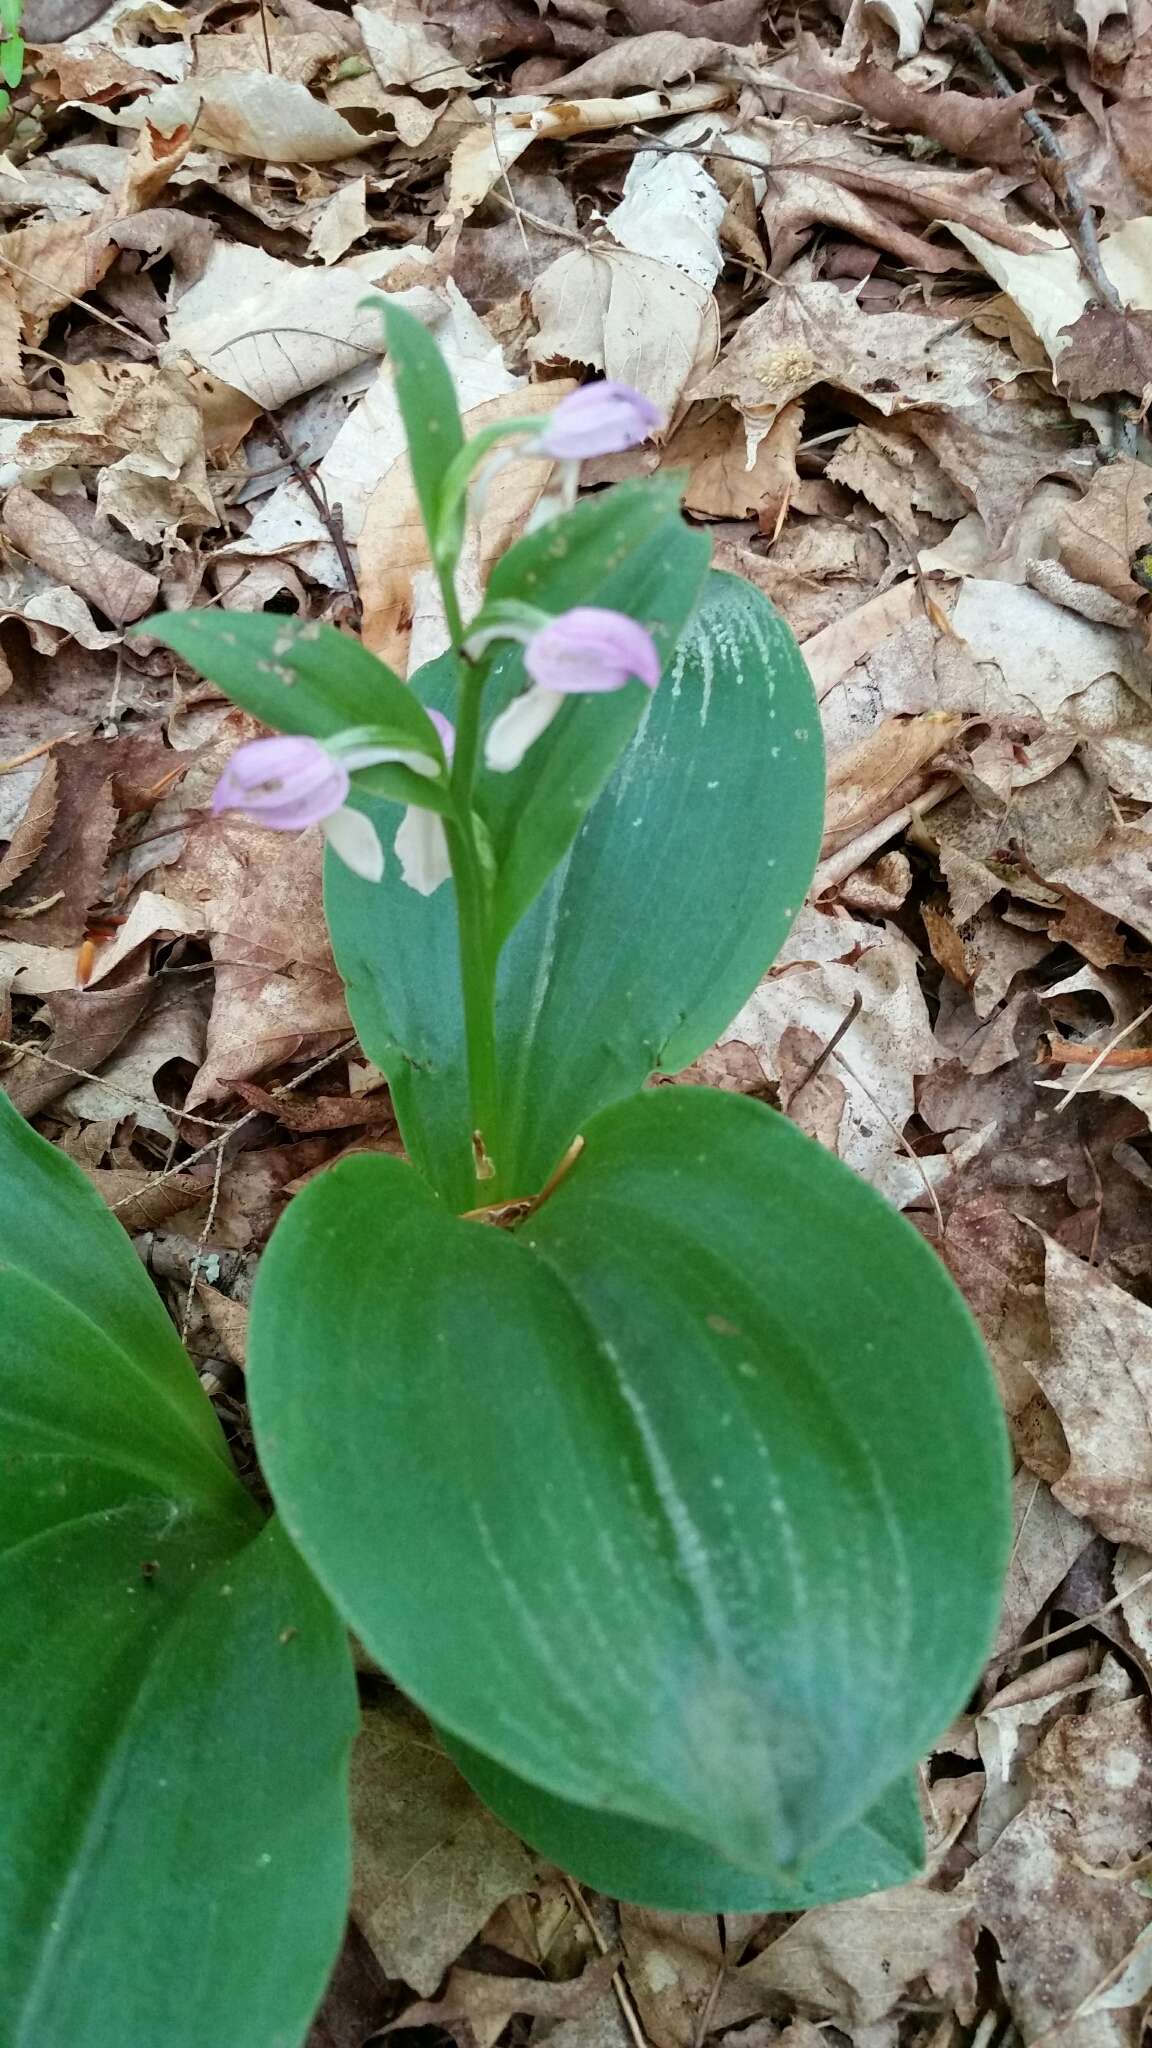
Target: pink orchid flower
[599,419]
[585,650]
[290,782]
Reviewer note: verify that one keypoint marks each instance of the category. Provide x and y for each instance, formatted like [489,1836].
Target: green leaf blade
[676,1873]
[426,396]
[707,1559]
[176,1700]
[301,679]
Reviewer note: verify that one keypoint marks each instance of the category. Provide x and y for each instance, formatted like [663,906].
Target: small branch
[1080,222]
[326,513]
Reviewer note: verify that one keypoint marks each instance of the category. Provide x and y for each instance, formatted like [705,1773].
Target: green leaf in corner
[176,1703]
[708,1558]
[675,1873]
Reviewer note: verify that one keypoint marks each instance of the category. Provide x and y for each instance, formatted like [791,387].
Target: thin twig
[47,1059]
[182,1165]
[825,1053]
[1071,1628]
[70,298]
[624,1997]
[1101,1058]
[197,1260]
[267,38]
[326,513]
[34,753]
[1080,221]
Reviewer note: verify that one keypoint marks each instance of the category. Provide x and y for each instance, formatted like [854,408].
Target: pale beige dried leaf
[403,51]
[1046,1892]
[814,333]
[1098,1377]
[47,536]
[906,18]
[886,1047]
[342,220]
[512,126]
[662,57]
[854,1962]
[248,113]
[1050,287]
[833,653]
[632,318]
[431,1863]
[1047,1541]
[1043,653]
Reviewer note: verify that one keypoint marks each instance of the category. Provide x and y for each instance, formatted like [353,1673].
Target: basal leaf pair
[648,1450]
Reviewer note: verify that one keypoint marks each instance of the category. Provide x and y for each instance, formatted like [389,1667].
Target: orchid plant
[643,1446]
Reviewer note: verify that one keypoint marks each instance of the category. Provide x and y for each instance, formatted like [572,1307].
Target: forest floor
[889,273]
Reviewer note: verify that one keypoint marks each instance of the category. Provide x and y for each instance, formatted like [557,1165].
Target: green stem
[478,986]
[477,953]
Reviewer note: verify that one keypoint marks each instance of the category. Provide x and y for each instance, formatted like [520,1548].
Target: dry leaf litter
[888,269]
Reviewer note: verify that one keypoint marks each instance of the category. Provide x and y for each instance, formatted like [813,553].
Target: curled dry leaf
[47,536]
[249,114]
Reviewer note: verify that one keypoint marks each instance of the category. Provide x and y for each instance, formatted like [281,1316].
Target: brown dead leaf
[480,2005]
[722,482]
[88,1025]
[1097,535]
[431,1862]
[1098,1377]
[879,773]
[1107,351]
[672,1962]
[67,873]
[971,126]
[835,178]
[1045,1891]
[854,1962]
[47,536]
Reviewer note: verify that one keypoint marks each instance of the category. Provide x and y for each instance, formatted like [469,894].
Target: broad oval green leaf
[677,892]
[684,1449]
[176,1702]
[675,1873]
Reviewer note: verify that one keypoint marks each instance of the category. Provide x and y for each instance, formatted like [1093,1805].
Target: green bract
[649,1450]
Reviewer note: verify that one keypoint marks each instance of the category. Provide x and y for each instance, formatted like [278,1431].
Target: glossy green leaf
[677,892]
[176,1701]
[300,679]
[534,814]
[684,1450]
[12,60]
[676,1873]
[426,396]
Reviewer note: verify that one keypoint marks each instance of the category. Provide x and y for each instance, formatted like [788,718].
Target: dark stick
[329,514]
[1080,225]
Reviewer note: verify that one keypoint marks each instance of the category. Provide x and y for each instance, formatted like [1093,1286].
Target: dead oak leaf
[1109,350]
